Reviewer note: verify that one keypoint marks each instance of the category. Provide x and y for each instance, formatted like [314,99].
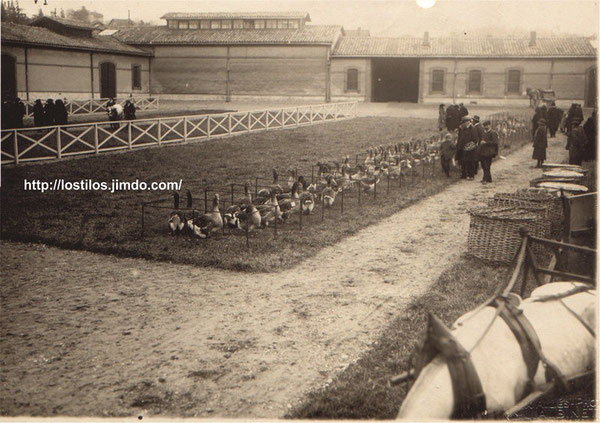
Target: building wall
[565,76]
[339,69]
[55,73]
[239,72]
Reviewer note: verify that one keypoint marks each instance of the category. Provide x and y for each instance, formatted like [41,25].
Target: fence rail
[56,142]
[98,105]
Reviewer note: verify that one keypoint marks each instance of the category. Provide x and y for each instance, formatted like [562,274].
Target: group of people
[450,117]
[13,112]
[581,140]
[476,143]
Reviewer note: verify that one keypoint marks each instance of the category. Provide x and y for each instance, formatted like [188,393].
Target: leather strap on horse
[469,399]
[531,348]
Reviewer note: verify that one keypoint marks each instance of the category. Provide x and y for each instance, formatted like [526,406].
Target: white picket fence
[55,142]
[98,105]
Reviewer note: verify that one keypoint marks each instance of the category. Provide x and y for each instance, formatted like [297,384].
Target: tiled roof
[309,34]
[238,15]
[36,36]
[357,32]
[466,47]
[66,22]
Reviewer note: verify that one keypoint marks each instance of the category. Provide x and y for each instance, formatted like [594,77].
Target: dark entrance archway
[591,89]
[9,77]
[108,80]
[395,79]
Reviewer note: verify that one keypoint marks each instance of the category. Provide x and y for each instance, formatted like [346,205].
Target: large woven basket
[494,233]
[531,199]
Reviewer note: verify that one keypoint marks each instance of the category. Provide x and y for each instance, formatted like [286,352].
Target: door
[592,89]
[9,77]
[108,80]
[395,79]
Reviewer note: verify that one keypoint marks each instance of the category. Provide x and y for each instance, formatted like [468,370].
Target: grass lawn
[111,222]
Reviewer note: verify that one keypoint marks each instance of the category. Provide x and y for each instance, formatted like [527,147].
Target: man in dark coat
[7,115]
[462,110]
[540,143]
[61,115]
[477,130]
[575,112]
[447,152]
[18,112]
[49,116]
[537,116]
[576,143]
[554,116]
[466,148]
[590,127]
[452,117]
[129,110]
[488,149]
[38,113]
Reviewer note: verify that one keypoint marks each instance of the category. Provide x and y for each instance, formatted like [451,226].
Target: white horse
[115,113]
[560,325]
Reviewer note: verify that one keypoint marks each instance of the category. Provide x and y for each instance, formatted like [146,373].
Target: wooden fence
[98,105]
[56,142]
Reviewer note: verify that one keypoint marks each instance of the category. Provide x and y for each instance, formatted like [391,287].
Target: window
[215,24]
[238,23]
[172,24]
[352,80]
[225,24]
[474,83]
[293,24]
[271,23]
[282,24]
[248,24]
[437,81]
[183,24]
[204,24]
[193,24]
[513,84]
[136,77]
[259,24]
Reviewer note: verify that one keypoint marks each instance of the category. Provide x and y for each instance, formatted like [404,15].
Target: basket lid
[503,213]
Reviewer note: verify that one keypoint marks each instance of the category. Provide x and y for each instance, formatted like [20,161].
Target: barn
[281,56]
[55,57]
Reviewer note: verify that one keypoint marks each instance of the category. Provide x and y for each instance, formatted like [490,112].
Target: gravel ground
[84,334]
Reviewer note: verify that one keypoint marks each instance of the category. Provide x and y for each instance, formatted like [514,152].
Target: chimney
[426,39]
[532,39]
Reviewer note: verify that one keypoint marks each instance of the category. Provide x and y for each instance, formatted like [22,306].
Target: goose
[231,216]
[290,205]
[249,218]
[328,194]
[346,182]
[275,187]
[176,218]
[307,202]
[292,179]
[269,212]
[368,183]
[246,199]
[205,225]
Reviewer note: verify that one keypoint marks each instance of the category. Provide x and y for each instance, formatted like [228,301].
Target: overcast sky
[385,18]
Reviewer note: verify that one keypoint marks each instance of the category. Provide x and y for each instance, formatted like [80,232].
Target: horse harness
[469,398]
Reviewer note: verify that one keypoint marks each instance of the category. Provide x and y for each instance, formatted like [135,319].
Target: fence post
[159,132]
[310,112]
[16,144]
[276,219]
[185,130]
[58,143]
[97,149]
[249,121]
[297,117]
[208,127]
[229,123]
[342,203]
[129,135]
[205,200]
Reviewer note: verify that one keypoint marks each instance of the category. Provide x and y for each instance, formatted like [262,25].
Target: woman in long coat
[540,142]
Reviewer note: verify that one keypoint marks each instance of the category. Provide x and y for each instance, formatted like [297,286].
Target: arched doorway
[108,80]
[591,88]
[9,77]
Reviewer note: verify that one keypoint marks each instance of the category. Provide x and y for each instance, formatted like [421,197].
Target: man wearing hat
[488,149]
[576,142]
[477,129]
[466,149]
[540,142]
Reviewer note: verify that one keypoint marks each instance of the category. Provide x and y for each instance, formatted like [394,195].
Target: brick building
[55,57]
[280,56]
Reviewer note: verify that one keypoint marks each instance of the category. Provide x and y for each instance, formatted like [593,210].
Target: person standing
[38,113]
[576,143]
[60,113]
[19,112]
[129,110]
[466,149]
[462,111]
[590,127]
[49,114]
[452,117]
[447,152]
[488,149]
[441,117]
[540,143]
[554,116]
[7,115]
[537,116]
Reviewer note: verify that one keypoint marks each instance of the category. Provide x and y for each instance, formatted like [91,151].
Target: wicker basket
[494,233]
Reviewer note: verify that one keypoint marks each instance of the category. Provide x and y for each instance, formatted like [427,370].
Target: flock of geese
[279,202]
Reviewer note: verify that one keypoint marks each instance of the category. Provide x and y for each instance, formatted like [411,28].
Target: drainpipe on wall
[454,83]
[150,72]
[328,78]
[227,77]
[92,72]
[26,75]
[551,73]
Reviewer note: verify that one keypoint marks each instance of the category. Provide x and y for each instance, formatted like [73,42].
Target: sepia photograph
[241,210]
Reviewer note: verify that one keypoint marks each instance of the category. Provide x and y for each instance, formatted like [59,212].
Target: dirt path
[87,334]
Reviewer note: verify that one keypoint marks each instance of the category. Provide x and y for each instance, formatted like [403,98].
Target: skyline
[384,18]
